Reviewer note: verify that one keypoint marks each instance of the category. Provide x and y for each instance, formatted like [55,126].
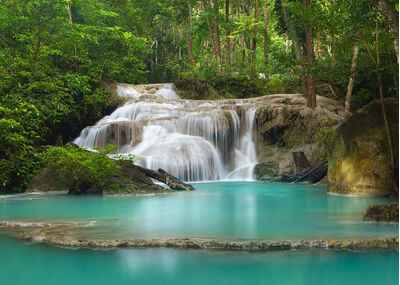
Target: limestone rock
[286,125]
[360,162]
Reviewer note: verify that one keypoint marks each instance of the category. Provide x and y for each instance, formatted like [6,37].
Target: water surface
[41,265]
[247,210]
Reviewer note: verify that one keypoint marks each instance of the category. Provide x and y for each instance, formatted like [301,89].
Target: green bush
[20,130]
[81,171]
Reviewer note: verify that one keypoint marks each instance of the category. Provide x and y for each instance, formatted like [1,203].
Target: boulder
[287,131]
[129,179]
[360,162]
[267,171]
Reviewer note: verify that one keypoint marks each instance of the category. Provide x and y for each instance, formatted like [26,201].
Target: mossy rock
[79,171]
[267,171]
[383,213]
[360,162]
[128,180]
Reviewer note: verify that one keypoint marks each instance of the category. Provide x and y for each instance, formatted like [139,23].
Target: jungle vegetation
[59,57]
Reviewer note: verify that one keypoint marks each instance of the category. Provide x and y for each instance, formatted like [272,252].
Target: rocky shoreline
[55,234]
[215,244]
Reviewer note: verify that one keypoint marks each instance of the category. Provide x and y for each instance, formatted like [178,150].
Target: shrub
[81,171]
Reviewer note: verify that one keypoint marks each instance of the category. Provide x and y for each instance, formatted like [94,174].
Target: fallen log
[166,178]
[314,174]
[311,174]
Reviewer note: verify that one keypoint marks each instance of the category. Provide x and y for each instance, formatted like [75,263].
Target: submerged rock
[360,163]
[383,213]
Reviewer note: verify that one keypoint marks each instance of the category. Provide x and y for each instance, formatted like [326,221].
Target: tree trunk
[309,59]
[166,178]
[392,17]
[71,22]
[291,30]
[384,115]
[215,31]
[347,105]
[254,39]
[190,36]
[266,32]
[228,39]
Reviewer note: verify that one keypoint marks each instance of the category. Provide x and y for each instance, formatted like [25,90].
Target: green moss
[81,171]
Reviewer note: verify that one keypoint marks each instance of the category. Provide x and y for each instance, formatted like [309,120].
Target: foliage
[80,170]
[20,125]
[59,59]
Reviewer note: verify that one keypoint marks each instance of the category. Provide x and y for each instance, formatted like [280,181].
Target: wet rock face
[285,125]
[360,163]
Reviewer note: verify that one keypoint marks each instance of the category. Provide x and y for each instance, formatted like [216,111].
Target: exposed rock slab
[55,234]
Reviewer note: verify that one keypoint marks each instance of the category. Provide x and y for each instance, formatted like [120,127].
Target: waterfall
[193,140]
[245,154]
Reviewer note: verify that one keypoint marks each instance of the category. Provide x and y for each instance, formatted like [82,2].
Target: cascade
[192,139]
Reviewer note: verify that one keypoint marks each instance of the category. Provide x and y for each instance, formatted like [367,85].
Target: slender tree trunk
[384,115]
[254,39]
[347,105]
[190,36]
[71,22]
[215,31]
[392,17]
[228,39]
[318,45]
[296,46]
[309,54]
[266,32]
[291,31]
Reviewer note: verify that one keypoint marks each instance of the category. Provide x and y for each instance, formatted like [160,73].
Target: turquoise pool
[247,210]
[41,265]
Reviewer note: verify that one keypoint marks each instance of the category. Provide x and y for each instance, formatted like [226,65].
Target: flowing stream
[193,140]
